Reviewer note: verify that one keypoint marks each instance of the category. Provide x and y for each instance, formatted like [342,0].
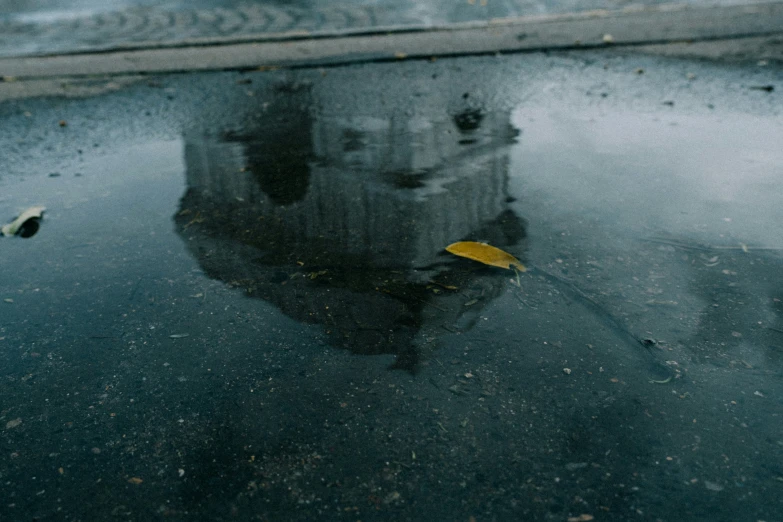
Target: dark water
[259,321]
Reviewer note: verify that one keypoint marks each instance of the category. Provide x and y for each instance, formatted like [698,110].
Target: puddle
[265,320]
[347,229]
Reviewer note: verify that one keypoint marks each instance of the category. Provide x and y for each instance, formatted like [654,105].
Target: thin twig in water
[135,288]
[743,247]
[593,305]
[524,302]
[695,246]
[675,243]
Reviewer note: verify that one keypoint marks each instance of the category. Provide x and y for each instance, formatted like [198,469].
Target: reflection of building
[341,221]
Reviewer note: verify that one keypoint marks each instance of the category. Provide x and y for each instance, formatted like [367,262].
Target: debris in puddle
[711,261]
[13,423]
[26,224]
[766,88]
[391,497]
[179,336]
[584,517]
[447,287]
[661,302]
[712,486]
[456,390]
[135,480]
[487,254]
[567,371]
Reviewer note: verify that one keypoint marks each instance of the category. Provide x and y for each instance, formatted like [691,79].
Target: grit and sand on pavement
[238,306]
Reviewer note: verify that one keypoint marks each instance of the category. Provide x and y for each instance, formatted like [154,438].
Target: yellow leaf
[487,254]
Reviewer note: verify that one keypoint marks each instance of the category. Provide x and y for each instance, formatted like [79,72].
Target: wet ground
[238,304]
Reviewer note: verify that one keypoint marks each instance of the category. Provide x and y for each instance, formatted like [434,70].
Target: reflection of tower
[340,220]
[420,188]
[271,161]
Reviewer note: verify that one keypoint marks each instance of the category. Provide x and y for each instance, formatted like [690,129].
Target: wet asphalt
[238,305]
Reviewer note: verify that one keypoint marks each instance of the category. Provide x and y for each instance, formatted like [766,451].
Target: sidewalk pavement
[47,28]
[755,30]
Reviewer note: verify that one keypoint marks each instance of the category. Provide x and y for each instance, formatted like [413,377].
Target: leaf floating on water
[14,227]
[487,254]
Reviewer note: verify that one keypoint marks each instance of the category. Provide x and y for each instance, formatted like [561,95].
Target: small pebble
[712,486]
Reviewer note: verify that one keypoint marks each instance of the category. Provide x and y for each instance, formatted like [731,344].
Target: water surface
[260,319]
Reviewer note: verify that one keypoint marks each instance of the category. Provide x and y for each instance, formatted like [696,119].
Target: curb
[596,29]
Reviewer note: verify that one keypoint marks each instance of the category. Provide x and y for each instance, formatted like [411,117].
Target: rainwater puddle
[266,321]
